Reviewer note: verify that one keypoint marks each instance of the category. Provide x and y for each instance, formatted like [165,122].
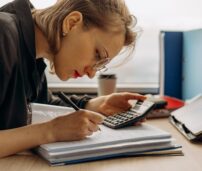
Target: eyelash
[97,55]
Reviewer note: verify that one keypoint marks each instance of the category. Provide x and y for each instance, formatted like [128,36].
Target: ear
[71,21]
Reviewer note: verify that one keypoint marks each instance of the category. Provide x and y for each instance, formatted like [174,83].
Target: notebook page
[43,113]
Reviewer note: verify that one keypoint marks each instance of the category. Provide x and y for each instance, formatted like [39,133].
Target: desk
[191,161]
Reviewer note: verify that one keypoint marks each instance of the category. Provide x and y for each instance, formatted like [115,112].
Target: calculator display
[130,117]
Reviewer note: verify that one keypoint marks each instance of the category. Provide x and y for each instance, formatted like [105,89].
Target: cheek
[62,64]
[81,49]
[74,54]
[60,68]
[59,61]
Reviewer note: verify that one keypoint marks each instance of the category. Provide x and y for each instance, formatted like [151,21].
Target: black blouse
[22,77]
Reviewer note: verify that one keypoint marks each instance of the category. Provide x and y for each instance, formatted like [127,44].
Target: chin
[63,77]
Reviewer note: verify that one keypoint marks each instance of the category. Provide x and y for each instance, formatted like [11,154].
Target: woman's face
[80,49]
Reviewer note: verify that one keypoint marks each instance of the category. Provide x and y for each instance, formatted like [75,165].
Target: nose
[90,73]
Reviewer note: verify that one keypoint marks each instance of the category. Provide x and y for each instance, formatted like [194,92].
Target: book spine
[171,59]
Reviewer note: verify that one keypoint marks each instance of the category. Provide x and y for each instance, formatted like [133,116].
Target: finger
[93,127]
[96,118]
[137,123]
[140,122]
[130,96]
[89,133]
[143,120]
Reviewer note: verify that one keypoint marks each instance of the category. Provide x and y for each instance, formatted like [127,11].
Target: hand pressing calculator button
[130,117]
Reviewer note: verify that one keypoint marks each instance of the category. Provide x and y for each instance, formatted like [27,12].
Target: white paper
[43,113]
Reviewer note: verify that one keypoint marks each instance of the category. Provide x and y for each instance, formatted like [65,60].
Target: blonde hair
[96,13]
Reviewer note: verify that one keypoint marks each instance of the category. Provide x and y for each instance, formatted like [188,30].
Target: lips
[76,74]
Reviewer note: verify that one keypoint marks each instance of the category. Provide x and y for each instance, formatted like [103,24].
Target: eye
[97,56]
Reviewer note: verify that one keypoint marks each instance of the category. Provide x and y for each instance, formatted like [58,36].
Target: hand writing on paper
[75,126]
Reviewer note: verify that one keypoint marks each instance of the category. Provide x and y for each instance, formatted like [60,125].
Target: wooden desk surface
[191,161]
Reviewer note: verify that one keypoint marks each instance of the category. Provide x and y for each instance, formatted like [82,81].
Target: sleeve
[13,111]
[79,101]
[7,55]
[3,79]
[47,97]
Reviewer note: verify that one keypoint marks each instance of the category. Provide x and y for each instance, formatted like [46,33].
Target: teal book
[192,63]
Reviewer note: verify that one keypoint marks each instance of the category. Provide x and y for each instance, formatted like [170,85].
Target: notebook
[107,143]
[188,119]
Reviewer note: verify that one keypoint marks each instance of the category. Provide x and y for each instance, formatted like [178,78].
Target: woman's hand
[75,126]
[113,103]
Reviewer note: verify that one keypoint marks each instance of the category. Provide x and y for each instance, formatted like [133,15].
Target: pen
[67,100]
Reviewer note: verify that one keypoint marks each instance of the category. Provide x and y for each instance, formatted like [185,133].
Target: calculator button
[130,113]
[136,107]
[119,121]
[114,122]
[107,119]
[130,117]
[124,114]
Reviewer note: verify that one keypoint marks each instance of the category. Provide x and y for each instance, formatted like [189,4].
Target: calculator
[130,117]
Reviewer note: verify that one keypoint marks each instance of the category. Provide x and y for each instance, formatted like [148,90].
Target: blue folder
[173,43]
[182,63]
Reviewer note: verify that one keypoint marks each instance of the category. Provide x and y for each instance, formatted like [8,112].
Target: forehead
[111,41]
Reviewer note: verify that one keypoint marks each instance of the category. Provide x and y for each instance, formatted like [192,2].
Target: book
[171,43]
[192,62]
[180,63]
[107,143]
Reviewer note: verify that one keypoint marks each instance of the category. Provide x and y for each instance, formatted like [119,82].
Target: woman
[78,38]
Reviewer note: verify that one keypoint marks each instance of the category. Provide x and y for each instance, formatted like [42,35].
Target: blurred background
[141,72]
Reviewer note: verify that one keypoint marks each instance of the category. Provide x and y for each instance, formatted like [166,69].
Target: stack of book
[107,143]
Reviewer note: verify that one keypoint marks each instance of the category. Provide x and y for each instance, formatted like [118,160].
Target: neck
[42,47]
